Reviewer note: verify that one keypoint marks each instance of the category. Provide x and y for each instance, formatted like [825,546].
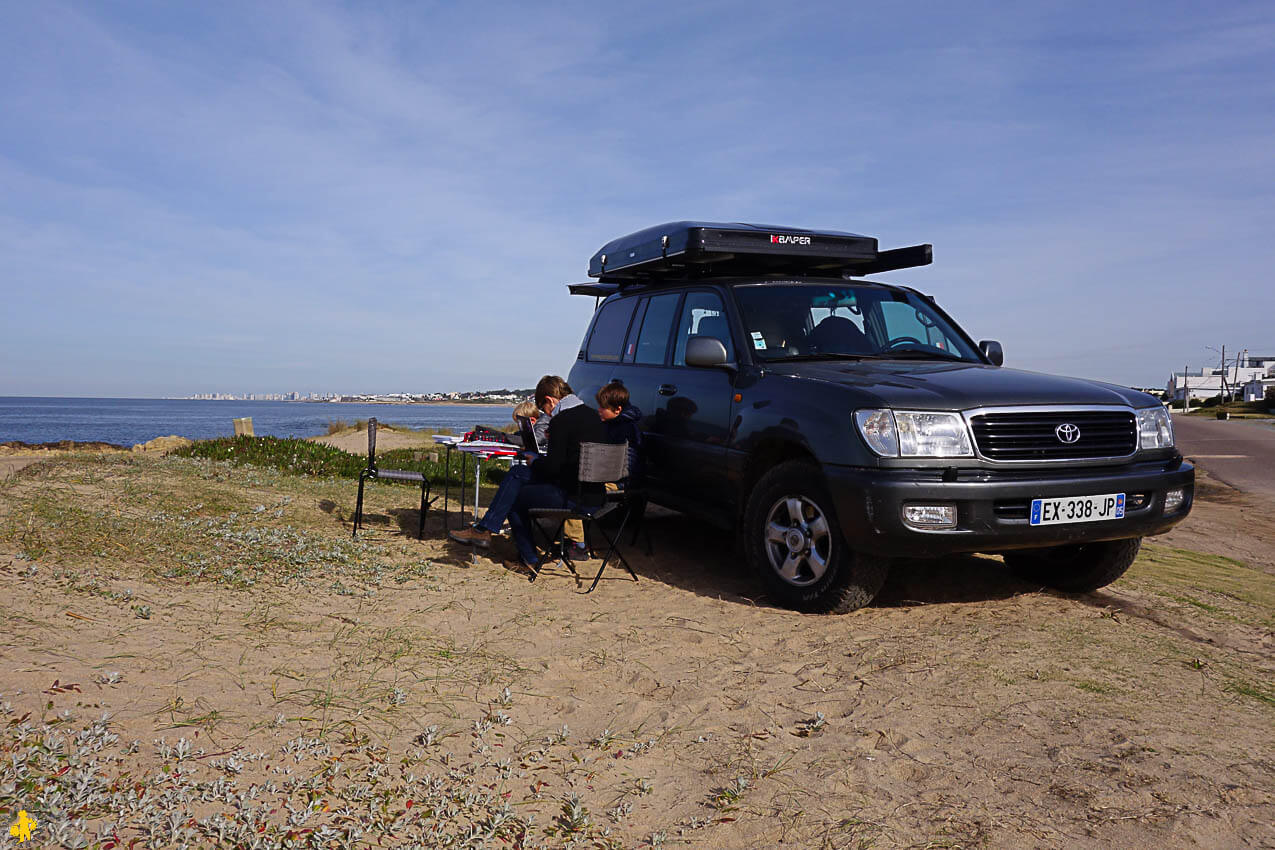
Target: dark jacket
[561,462]
[626,428]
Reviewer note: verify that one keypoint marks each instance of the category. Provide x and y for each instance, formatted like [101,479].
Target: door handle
[667,389]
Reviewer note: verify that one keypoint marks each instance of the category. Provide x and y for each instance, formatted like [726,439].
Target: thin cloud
[393,198]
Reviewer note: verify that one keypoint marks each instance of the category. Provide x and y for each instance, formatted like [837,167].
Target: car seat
[715,326]
[839,335]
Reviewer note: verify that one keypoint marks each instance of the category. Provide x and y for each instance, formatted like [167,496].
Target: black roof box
[681,249]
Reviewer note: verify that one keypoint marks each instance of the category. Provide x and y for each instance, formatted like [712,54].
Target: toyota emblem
[1067,433]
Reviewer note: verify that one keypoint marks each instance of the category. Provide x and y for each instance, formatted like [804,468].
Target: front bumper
[991,506]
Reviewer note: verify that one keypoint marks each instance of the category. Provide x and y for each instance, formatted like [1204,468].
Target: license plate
[1077,509]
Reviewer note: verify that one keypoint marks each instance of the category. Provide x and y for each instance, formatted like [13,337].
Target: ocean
[126,421]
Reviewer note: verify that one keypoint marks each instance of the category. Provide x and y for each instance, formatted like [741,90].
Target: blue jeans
[532,496]
[503,502]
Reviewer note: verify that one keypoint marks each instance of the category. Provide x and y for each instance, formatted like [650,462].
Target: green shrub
[303,457]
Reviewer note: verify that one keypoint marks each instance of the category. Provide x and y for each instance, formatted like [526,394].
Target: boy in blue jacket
[622,423]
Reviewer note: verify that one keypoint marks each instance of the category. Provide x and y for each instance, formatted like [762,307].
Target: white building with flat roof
[1253,374]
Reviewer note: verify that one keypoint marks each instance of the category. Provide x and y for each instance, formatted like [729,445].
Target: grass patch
[302,457]
[1222,587]
[1203,606]
[1236,408]
[187,518]
[1261,693]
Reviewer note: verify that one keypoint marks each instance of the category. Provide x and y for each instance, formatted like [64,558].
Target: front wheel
[1076,569]
[795,546]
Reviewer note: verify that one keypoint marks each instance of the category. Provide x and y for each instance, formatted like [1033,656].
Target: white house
[1256,388]
[1252,375]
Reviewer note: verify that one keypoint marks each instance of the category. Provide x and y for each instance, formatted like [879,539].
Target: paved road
[1239,452]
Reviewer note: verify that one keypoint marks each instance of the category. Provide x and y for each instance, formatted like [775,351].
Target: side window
[609,329]
[652,342]
[702,315]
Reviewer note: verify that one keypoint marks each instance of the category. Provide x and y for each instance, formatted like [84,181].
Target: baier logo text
[779,239]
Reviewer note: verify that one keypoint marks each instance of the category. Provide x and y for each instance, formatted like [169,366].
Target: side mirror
[707,352]
[992,349]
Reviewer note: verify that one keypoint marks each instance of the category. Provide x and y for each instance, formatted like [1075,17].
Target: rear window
[652,343]
[609,329]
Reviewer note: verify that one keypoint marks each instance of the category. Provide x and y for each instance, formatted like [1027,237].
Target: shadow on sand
[705,560]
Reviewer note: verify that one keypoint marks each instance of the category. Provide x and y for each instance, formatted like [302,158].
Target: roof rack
[682,249]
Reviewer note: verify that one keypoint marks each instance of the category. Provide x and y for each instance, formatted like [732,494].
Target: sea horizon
[129,421]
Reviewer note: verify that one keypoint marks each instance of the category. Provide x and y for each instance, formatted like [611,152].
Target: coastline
[406,403]
[127,422]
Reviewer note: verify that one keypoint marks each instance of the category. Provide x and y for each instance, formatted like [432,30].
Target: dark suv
[840,422]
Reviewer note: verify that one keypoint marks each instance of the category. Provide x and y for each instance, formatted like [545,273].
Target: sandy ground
[963,709]
[355,440]
[10,465]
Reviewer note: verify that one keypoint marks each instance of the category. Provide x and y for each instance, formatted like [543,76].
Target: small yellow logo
[22,829]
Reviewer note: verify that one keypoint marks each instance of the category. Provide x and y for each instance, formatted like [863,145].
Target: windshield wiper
[829,355]
[917,354]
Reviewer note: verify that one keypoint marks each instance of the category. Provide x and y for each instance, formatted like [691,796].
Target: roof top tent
[690,249]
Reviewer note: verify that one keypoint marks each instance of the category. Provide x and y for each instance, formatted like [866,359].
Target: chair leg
[425,495]
[358,507]
[614,550]
[549,541]
[640,527]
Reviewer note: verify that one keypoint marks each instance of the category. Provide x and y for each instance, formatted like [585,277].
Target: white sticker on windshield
[758,340]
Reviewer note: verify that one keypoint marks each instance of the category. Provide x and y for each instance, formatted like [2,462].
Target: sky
[391,197]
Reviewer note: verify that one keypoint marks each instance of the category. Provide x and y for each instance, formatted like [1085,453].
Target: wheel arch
[765,456]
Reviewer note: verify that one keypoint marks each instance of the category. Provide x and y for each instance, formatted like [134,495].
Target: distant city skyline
[395,195]
[503,393]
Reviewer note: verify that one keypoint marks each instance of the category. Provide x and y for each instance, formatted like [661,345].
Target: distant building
[1250,378]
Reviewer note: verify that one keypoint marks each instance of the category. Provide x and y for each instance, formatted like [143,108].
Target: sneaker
[578,551]
[477,536]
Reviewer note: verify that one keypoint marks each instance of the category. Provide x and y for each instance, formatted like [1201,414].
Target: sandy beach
[263,675]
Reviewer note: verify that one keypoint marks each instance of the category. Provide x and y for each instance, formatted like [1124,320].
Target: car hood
[933,385]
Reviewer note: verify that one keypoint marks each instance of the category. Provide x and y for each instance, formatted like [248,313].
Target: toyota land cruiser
[840,422]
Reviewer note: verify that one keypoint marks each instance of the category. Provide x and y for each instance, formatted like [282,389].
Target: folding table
[481,450]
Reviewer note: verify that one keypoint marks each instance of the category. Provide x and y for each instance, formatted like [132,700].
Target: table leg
[447,480]
[464,459]
[478,472]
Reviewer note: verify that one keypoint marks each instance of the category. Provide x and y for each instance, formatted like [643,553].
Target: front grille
[1033,435]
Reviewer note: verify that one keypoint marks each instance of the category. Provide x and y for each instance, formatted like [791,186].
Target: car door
[693,404]
[643,370]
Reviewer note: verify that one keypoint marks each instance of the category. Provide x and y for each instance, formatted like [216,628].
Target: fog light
[1173,500]
[930,516]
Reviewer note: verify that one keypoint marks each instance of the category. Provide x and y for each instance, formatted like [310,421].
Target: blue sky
[390,197]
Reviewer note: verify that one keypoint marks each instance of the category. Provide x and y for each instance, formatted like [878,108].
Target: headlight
[877,427]
[1155,428]
[914,433]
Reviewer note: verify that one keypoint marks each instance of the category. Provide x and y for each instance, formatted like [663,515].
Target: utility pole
[1186,391]
[1242,355]
[1226,395]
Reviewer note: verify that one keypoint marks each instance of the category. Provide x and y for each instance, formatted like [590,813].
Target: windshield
[812,321]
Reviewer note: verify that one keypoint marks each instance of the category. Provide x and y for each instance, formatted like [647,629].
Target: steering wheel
[895,343]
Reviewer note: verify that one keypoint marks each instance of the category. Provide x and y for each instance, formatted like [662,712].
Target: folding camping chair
[600,463]
[389,475]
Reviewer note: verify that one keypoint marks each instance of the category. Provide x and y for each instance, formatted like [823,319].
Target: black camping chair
[389,475]
[600,463]
[632,500]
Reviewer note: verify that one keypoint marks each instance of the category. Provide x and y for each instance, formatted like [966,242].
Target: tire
[1076,569]
[793,542]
